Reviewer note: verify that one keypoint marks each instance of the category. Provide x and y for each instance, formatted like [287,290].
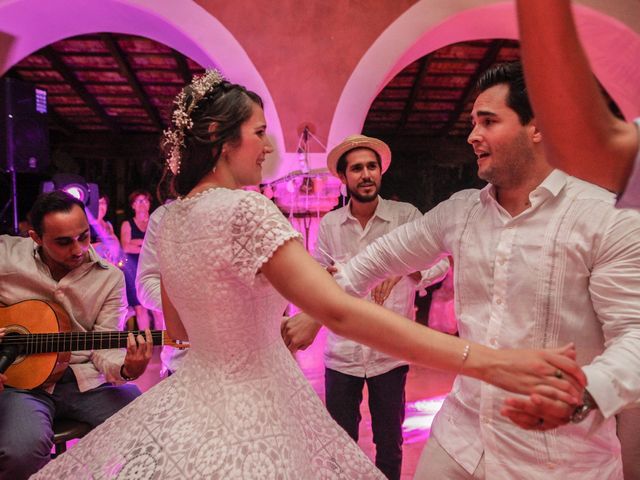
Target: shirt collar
[553,184]
[95,258]
[382,211]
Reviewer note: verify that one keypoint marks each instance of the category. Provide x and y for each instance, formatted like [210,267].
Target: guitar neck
[31,343]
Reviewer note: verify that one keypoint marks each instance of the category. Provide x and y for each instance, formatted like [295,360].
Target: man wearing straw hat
[359,162]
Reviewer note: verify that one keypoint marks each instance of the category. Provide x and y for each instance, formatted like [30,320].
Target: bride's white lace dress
[239,407]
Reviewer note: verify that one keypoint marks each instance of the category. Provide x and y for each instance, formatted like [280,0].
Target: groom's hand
[381,292]
[299,331]
[540,411]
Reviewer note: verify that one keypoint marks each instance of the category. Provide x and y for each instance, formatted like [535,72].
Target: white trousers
[436,464]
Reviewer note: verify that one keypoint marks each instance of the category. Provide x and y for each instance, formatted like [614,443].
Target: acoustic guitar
[41,331]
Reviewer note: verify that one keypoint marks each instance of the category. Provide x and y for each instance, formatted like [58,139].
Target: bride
[240,407]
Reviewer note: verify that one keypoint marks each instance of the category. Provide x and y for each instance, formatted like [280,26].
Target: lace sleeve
[258,229]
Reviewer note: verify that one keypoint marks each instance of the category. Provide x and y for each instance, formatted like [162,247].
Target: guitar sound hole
[13,330]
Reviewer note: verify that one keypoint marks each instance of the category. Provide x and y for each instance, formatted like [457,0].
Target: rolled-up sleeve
[111,318]
[614,286]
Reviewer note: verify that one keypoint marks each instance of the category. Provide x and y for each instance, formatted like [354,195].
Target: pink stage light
[419,417]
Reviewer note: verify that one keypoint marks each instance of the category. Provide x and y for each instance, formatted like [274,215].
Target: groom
[541,259]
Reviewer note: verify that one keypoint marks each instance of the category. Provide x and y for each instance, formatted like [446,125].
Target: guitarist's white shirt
[93,295]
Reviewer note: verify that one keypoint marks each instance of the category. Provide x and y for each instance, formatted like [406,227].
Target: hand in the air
[139,351]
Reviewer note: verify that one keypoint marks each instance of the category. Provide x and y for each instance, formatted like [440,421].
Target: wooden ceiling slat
[193,66]
[64,100]
[448,81]
[118,100]
[80,89]
[447,67]
[108,89]
[80,45]
[127,71]
[422,68]
[183,67]
[159,76]
[435,94]
[153,62]
[92,62]
[34,61]
[163,90]
[40,75]
[101,76]
[489,59]
[131,44]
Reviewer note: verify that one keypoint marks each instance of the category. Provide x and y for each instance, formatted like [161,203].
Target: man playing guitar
[58,265]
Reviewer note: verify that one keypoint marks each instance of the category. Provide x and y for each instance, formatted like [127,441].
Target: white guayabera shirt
[631,196]
[341,237]
[567,269]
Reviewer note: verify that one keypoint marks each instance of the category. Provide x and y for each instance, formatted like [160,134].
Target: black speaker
[24,132]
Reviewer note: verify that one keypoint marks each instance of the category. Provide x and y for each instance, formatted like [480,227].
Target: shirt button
[499,301]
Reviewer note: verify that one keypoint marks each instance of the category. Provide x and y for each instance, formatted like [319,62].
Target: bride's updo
[208,113]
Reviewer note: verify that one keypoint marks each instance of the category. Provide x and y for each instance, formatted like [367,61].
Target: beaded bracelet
[465,355]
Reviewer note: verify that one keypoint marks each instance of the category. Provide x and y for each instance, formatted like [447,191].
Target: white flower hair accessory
[181,117]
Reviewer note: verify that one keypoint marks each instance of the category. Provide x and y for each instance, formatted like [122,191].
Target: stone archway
[28,25]
[432,24]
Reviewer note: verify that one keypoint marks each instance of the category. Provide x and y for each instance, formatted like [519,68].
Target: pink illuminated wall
[613,48]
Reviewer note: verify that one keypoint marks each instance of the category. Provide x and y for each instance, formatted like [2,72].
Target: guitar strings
[59,341]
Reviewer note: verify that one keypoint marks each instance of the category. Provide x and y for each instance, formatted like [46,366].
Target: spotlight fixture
[76,186]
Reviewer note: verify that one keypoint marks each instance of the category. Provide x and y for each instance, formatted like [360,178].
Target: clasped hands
[554,390]
[550,382]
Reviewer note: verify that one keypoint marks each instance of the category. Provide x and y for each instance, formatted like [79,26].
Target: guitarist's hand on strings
[139,351]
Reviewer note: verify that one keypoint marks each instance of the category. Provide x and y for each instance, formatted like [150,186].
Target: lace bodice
[211,247]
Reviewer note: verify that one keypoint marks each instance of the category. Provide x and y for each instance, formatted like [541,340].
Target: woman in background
[131,237]
[103,238]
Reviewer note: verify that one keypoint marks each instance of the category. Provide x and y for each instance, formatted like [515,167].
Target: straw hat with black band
[359,141]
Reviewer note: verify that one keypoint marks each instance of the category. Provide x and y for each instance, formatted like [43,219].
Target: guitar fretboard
[71,341]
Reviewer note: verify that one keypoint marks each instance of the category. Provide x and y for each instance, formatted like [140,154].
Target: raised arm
[582,136]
